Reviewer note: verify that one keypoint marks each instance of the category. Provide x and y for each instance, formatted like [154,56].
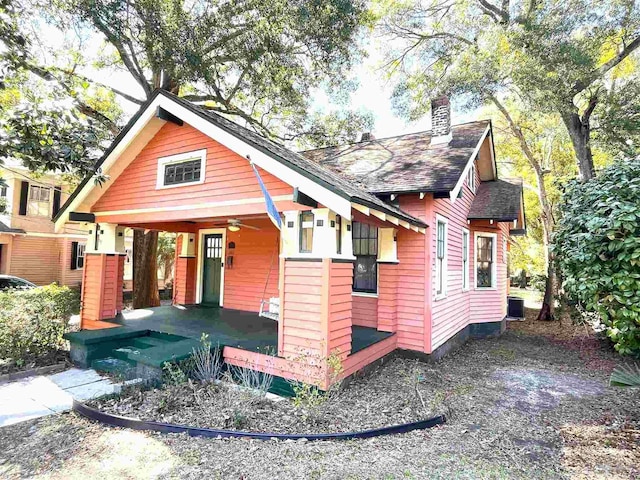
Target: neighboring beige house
[29,247]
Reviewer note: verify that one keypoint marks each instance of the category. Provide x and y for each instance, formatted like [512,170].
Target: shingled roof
[318,173]
[406,163]
[498,200]
[6,229]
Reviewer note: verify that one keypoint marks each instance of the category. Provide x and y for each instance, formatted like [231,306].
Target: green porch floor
[225,326]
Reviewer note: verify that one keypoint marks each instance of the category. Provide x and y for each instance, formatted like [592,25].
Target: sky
[372,94]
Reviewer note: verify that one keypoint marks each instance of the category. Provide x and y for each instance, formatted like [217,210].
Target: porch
[226,327]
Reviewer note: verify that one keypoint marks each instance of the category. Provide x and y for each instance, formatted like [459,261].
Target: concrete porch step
[115,366]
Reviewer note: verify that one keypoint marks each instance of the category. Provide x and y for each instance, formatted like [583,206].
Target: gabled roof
[406,163]
[308,168]
[499,200]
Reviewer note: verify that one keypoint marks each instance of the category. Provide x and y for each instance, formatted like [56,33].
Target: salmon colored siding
[365,311]
[101,287]
[36,259]
[411,279]
[451,313]
[301,309]
[387,297]
[228,176]
[491,305]
[255,259]
[340,308]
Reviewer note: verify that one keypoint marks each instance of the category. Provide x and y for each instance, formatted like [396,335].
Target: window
[471,178]
[3,191]
[77,255]
[365,249]
[182,169]
[38,201]
[338,234]
[306,232]
[183,172]
[441,257]
[485,260]
[465,259]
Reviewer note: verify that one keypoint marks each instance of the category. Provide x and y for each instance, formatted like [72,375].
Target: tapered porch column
[102,283]
[184,283]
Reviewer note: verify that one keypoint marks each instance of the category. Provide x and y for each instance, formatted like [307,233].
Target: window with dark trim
[484,266]
[365,249]
[182,172]
[77,255]
[306,232]
[338,234]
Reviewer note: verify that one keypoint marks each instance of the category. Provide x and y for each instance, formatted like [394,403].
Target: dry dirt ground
[534,403]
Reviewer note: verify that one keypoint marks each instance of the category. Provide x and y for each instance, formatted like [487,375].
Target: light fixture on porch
[233,228]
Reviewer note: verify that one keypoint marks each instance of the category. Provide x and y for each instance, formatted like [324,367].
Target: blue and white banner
[272,211]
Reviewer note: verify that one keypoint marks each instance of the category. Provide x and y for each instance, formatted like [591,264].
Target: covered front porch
[226,327]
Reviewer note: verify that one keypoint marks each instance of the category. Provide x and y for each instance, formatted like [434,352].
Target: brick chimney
[440,121]
[367,137]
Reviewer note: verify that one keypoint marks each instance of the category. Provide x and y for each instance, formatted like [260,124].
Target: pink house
[386,244]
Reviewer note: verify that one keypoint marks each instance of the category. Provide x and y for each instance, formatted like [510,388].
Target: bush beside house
[598,250]
[32,323]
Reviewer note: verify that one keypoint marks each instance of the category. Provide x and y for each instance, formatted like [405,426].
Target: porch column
[184,283]
[315,295]
[102,282]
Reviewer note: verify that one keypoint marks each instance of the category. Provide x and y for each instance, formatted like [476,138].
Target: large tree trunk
[145,269]
[579,128]
[547,312]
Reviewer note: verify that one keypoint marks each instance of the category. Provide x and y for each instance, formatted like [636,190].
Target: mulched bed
[520,406]
[52,358]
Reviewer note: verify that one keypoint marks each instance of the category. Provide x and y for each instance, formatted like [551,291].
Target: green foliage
[174,373]
[32,322]
[598,250]
[625,377]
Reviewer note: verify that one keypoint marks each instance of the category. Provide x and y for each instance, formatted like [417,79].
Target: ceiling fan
[233,224]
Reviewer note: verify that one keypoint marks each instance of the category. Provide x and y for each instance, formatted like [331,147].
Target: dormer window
[182,169]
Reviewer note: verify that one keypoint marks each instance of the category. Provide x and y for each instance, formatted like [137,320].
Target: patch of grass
[503,353]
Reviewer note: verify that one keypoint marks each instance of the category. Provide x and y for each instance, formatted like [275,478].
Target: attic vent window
[181,169]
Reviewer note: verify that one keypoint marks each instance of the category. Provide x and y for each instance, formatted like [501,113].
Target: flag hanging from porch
[272,211]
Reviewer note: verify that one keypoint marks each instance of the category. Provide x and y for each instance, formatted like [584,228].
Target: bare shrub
[206,364]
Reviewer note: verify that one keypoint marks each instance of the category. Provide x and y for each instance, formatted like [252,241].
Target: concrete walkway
[39,396]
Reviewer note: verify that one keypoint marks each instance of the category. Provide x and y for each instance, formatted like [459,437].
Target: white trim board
[323,195]
[454,193]
[200,257]
[494,265]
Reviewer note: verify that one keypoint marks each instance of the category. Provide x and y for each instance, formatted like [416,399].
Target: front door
[212,271]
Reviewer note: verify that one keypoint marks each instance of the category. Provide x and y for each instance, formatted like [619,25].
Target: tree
[256,61]
[599,237]
[534,147]
[555,56]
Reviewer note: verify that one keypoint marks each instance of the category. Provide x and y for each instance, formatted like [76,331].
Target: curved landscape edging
[118,421]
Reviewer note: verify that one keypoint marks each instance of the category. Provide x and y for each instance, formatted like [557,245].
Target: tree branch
[495,12]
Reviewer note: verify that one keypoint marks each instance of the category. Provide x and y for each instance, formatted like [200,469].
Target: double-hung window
[306,232]
[465,259]
[485,246]
[38,201]
[441,257]
[181,169]
[365,249]
[77,255]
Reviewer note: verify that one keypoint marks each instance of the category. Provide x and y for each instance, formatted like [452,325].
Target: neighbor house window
[441,256]
[485,260]
[38,201]
[306,232]
[465,259]
[182,169]
[77,255]
[338,234]
[365,249]
[471,178]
